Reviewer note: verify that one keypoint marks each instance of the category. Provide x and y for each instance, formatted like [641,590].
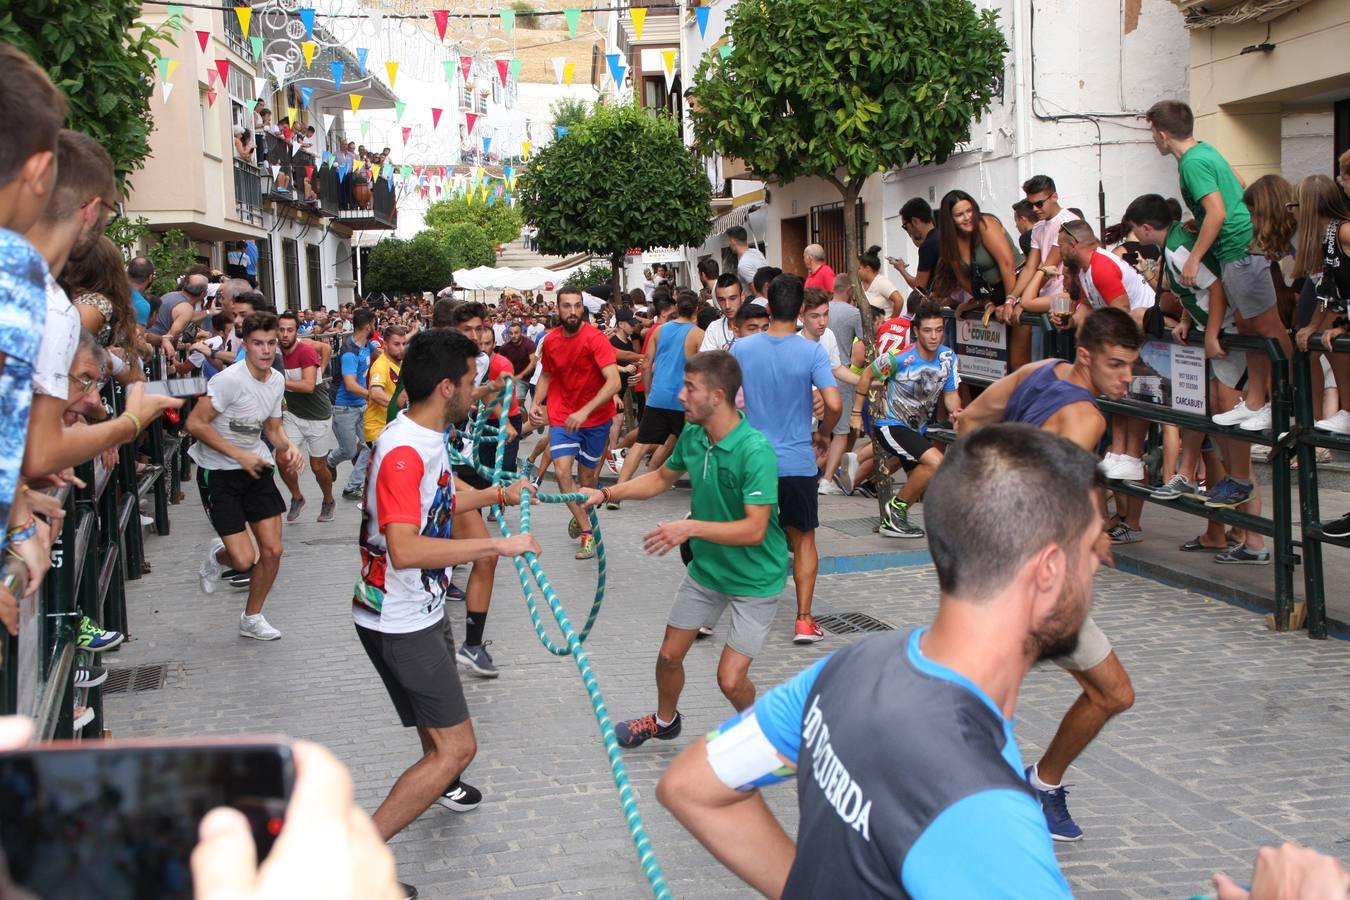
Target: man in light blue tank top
[663,379]
[1060,397]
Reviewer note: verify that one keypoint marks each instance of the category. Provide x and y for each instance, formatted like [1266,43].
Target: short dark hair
[362,317]
[1151,210]
[470,309]
[917,209]
[140,268]
[1109,327]
[928,309]
[258,321]
[432,357]
[661,301]
[785,297]
[442,313]
[567,289]
[763,276]
[813,297]
[707,315]
[719,371]
[1038,183]
[84,169]
[32,105]
[708,267]
[750,311]
[1173,117]
[999,474]
[290,315]
[1024,209]
[726,280]
[1174,205]
[738,234]
[686,303]
[254,299]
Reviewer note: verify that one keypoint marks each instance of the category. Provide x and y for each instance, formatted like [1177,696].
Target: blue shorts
[587,445]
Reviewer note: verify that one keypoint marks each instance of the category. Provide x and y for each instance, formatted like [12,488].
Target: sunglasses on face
[1037,204]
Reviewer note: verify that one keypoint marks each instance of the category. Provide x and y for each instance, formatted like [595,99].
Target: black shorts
[659,424]
[233,498]
[419,672]
[797,504]
[469,475]
[905,444]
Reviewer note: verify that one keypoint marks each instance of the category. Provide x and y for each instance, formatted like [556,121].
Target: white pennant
[668,61]
[167,88]
[259,86]
[328,123]
[276,170]
[558,62]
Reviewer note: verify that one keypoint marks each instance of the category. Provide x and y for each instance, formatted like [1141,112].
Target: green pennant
[257,43]
[573,16]
[725,50]
[250,104]
[399,107]
[175,16]
[365,128]
[508,20]
[163,68]
[516,65]
[450,66]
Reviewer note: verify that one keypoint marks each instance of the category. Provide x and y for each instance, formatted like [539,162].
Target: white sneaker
[1337,424]
[1258,421]
[257,628]
[211,569]
[1235,416]
[1108,462]
[848,472]
[1124,468]
[828,488]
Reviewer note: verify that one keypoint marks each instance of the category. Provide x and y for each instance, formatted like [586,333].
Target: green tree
[422,264]
[468,246]
[103,60]
[845,89]
[172,256]
[620,178]
[595,273]
[568,111]
[500,222]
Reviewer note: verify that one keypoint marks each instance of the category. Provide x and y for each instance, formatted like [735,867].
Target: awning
[736,216]
[486,278]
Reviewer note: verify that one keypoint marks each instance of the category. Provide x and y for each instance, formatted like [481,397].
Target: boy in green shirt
[739,549]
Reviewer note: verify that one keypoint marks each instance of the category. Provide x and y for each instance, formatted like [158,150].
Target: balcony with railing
[248,192]
[363,205]
[234,36]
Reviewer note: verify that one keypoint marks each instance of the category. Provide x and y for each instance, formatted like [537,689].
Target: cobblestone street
[1237,738]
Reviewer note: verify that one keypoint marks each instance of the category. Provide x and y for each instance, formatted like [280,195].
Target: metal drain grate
[136,679]
[852,623]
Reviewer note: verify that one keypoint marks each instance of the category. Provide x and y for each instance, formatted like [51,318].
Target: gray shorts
[846,395]
[1093,648]
[1248,285]
[1229,369]
[751,617]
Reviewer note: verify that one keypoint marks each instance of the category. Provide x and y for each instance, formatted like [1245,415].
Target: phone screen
[130,812]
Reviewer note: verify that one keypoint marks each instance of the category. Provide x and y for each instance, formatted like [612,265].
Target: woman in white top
[881,294]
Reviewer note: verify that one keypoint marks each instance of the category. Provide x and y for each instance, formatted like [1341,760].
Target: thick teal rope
[527,568]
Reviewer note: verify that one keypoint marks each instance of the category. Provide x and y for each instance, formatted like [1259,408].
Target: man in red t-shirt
[819,274]
[580,378]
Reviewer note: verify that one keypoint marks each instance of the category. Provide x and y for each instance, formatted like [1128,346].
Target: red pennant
[465,64]
[435,118]
[504,69]
[210,97]
[309,172]
[442,16]
[470,118]
[406,131]
[202,38]
[223,67]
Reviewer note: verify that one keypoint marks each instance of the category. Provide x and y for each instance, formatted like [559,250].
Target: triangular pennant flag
[294,114]
[573,16]
[175,20]
[525,149]
[487,142]
[492,199]
[392,69]
[435,117]
[725,50]
[365,128]
[164,67]
[516,65]
[442,17]
[639,17]
[561,131]
[361,54]
[558,67]
[569,70]
[374,173]
[448,66]
[407,130]
[338,68]
[470,118]
[260,85]
[202,38]
[468,198]
[276,170]
[167,88]
[250,105]
[668,60]
[245,16]
[506,171]
[483,192]
[309,173]
[307,16]
[465,64]
[257,43]
[308,48]
[701,14]
[342,173]
[616,68]
[210,97]
[306,93]
[399,107]
[328,119]
[211,76]
[356,101]
[508,20]
[503,69]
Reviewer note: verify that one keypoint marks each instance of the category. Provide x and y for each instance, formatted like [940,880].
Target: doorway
[794,241]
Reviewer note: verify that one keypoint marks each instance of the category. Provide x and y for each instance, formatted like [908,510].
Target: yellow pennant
[392,69]
[483,193]
[356,101]
[173,64]
[639,18]
[308,47]
[374,173]
[358,165]
[245,14]
[468,198]
[570,69]
[668,57]
[293,114]
[525,149]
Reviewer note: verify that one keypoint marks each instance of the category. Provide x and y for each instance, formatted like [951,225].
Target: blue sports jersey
[914,384]
[778,373]
[355,360]
[906,773]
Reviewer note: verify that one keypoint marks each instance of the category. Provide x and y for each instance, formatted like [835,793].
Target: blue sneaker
[95,639]
[1228,494]
[1055,805]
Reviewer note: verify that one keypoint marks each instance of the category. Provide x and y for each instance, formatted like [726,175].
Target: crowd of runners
[764,391]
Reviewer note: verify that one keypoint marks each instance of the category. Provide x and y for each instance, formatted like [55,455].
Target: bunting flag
[561,131]
[516,66]
[569,70]
[442,17]
[211,76]
[507,171]
[250,105]
[293,114]
[260,85]
[308,48]
[356,101]
[306,94]
[365,128]
[639,16]
[525,149]
[407,130]
[468,198]
[435,117]
[558,67]
[503,69]
[210,98]
[338,69]
[307,16]
[573,16]
[309,172]
[166,67]
[701,14]
[276,170]
[487,142]
[470,118]
[374,173]
[725,50]
[449,67]
[392,69]
[465,65]
[361,54]
[508,17]
[257,43]
[399,107]
[328,119]
[668,59]
[202,38]
[166,88]
[175,16]
[616,68]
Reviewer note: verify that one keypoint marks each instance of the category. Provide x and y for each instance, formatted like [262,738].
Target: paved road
[1238,736]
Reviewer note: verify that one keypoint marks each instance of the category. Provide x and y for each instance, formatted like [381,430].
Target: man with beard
[906,762]
[581,377]
[1060,397]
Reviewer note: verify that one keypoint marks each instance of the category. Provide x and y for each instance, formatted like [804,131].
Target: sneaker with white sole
[1258,420]
[1124,534]
[1337,424]
[1240,555]
[1124,468]
[1178,486]
[256,627]
[460,797]
[293,513]
[1235,416]
[83,715]
[477,660]
[212,569]
[829,488]
[89,676]
[847,474]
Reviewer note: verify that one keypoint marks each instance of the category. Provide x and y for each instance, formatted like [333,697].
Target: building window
[654,96]
[314,275]
[290,261]
[266,278]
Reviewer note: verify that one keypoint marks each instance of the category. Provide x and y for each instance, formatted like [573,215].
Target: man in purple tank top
[1060,397]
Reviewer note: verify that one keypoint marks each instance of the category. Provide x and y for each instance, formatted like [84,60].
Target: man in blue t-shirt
[141,274]
[780,368]
[349,404]
[909,780]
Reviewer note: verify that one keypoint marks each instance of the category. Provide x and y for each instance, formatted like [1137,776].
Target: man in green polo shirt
[739,549]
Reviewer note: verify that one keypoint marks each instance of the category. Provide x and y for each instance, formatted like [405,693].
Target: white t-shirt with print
[1045,237]
[243,406]
[60,340]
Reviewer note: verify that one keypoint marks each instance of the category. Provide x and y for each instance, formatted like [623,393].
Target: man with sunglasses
[1042,277]
[181,309]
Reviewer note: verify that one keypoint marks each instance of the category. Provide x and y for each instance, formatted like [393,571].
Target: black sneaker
[352,494]
[636,732]
[895,523]
[236,579]
[409,892]
[1337,528]
[90,676]
[460,797]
